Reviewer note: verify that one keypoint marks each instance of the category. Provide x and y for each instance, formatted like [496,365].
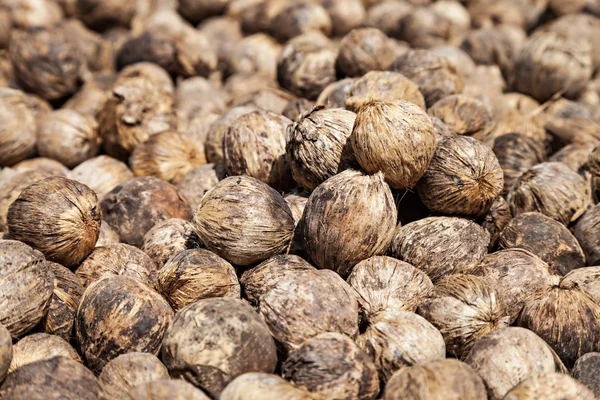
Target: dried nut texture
[102,13]
[212,341]
[398,339]
[119,315]
[198,181]
[69,137]
[516,274]
[385,283]
[382,86]
[331,365]
[552,62]
[254,145]
[218,129]
[18,132]
[553,189]
[68,289]
[586,371]
[297,107]
[255,53]
[440,130]
[546,238]
[244,221]
[444,379]
[47,63]
[464,177]
[464,115]
[38,347]
[434,74]
[147,70]
[259,280]
[395,138]
[300,18]
[128,371]
[307,303]
[440,246]
[587,279]
[42,164]
[348,218]
[550,386]
[6,351]
[134,207]
[107,235]
[168,238]
[102,174]
[318,145]
[587,234]
[364,50]
[387,16]
[516,154]
[334,95]
[57,216]
[12,187]
[166,389]
[168,156]
[495,220]
[92,96]
[25,287]
[117,259]
[261,386]
[566,318]
[58,378]
[196,274]
[464,308]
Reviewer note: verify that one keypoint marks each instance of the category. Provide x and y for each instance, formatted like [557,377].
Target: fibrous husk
[443,379]
[364,50]
[516,274]
[435,25]
[574,155]
[572,129]
[259,222]
[509,356]
[101,174]
[38,347]
[464,308]
[107,235]
[587,279]
[494,221]
[103,13]
[591,168]
[348,218]
[462,62]
[134,207]
[387,16]
[5,351]
[553,189]
[119,315]
[42,164]
[57,216]
[18,132]
[218,129]
[300,18]
[527,124]
[128,371]
[92,96]
[255,53]
[395,138]
[382,86]
[194,185]
[296,200]
[147,70]
[586,232]
[586,371]
[397,339]
[297,107]
[440,130]
[522,13]
[166,389]
[550,386]
[261,386]
[334,95]
[244,344]
[168,238]
[464,115]
[441,246]
[12,186]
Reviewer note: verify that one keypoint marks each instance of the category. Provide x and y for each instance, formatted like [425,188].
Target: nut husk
[194,185]
[334,95]
[464,177]
[574,155]
[331,365]
[587,280]
[168,238]
[101,174]
[107,235]
[18,133]
[300,18]
[255,53]
[387,16]
[42,164]
[147,70]
[495,220]
[38,347]
[462,62]
[223,32]
[103,13]
[586,233]
[260,223]
[92,96]
[550,386]
[197,97]
[464,115]
[435,25]
[348,218]
[195,11]
[212,341]
[57,216]
[118,315]
[296,108]
[5,351]
[585,371]
[11,189]
[364,50]
[96,50]
[261,386]
[218,129]
[166,389]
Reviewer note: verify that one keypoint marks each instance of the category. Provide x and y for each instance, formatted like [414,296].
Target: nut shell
[587,235]
[587,279]
[102,174]
[168,238]
[364,50]
[18,133]
[38,347]
[194,185]
[68,289]
[166,389]
[261,386]
[464,115]
[128,371]
[550,386]
[42,164]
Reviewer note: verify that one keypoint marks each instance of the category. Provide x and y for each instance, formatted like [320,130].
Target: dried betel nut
[363,50]
[550,386]
[18,132]
[38,347]
[168,238]
[128,371]
[5,351]
[585,370]
[262,386]
[587,235]
[166,389]
[101,174]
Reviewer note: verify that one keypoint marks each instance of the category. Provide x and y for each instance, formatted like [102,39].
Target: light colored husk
[550,386]
[261,386]
[129,370]
[102,174]
[38,347]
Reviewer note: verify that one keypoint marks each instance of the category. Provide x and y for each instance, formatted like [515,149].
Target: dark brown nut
[464,308]
[345,15]
[134,207]
[245,344]
[18,132]
[300,18]
[334,95]
[38,347]
[96,50]
[348,218]
[107,235]
[69,137]
[382,86]
[68,289]
[259,280]
[333,366]
[464,177]
[195,11]
[585,371]
[458,58]
[198,181]
[507,357]
[546,238]
[550,386]
[256,15]
[168,238]
[551,62]
[464,115]
[434,74]
[516,274]
[42,164]
[297,107]
[223,32]
[267,99]
[364,50]
[552,189]
[255,53]
[387,16]
[261,386]
[128,371]
[586,232]
[12,186]
[318,145]
[117,259]
[441,246]
[306,303]
[436,379]
[397,339]
[157,75]
[52,379]
[494,221]
[516,154]
[47,63]
[587,280]
[102,174]
[100,14]
[92,96]
[67,219]
[5,351]
[118,315]
[166,389]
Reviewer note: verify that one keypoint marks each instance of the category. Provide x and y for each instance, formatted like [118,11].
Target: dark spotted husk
[586,371]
